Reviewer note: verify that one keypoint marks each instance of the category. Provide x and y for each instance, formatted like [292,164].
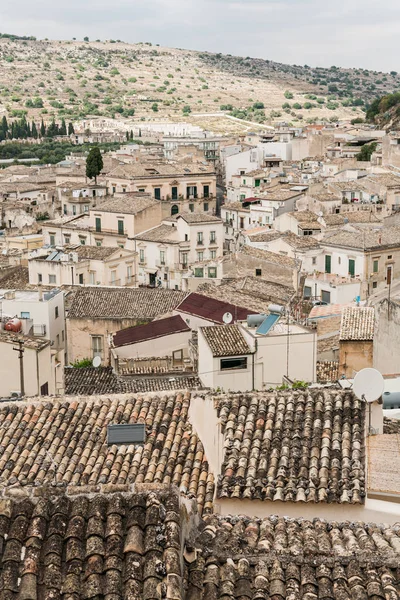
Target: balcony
[213,242]
[161,264]
[129,280]
[200,242]
[108,231]
[39,330]
[116,282]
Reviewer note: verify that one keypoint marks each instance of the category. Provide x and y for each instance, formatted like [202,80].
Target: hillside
[139,82]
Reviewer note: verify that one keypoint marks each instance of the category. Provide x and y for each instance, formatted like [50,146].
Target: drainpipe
[253,366]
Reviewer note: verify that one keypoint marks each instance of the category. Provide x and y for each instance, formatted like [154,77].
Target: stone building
[356,339]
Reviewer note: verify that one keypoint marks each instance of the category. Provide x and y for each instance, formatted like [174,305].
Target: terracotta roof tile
[64,443]
[327,371]
[358,323]
[150,331]
[211,309]
[226,340]
[110,303]
[293,446]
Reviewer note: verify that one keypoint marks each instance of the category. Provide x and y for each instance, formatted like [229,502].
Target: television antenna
[227,318]
[96,362]
[368,385]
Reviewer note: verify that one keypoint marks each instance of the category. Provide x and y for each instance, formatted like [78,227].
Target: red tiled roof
[212,309]
[155,329]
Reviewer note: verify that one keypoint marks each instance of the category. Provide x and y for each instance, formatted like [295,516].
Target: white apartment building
[77,199]
[188,245]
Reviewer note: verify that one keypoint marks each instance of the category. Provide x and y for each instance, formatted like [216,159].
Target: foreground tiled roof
[284,558]
[367,239]
[272,257]
[293,446]
[150,331]
[358,323]
[90,381]
[110,303]
[17,278]
[105,547]
[391,426]
[226,340]
[64,443]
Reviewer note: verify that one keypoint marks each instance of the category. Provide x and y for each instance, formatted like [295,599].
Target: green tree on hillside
[94,163]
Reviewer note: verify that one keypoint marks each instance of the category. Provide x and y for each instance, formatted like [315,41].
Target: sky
[346,33]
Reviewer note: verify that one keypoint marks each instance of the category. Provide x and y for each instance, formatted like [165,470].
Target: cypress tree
[42,129]
[63,128]
[34,130]
[94,163]
[70,129]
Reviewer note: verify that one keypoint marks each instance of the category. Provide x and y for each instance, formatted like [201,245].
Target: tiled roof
[293,446]
[64,443]
[327,371]
[150,331]
[15,279]
[150,170]
[161,233]
[94,252]
[357,216]
[9,337]
[119,546]
[129,205]
[90,381]
[193,217]
[273,257]
[262,236]
[110,303]
[301,242]
[282,558]
[226,340]
[391,426]
[211,309]
[358,323]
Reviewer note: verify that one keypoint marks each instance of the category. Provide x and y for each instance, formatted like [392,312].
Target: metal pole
[287,348]
[21,351]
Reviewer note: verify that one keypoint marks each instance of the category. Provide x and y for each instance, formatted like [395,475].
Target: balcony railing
[129,280]
[200,242]
[115,282]
[39,330]
[108,231]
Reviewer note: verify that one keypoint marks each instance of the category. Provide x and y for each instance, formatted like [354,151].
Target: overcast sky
[348,33]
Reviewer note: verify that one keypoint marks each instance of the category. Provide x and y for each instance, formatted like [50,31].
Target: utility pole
[21,351]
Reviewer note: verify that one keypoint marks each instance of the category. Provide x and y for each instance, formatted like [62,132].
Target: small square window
[314,260]
[52,279]
[374,285]
[258,272]
[389,257]
[56,312]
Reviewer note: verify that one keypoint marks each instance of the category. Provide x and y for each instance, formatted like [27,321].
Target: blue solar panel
[268,323]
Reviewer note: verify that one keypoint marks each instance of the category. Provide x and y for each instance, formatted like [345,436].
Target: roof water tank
[255,320]
[13,325]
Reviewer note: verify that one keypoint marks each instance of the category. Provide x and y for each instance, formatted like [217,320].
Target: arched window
[174,209]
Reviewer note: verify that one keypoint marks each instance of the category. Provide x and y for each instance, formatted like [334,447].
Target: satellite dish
[368,385]
[227,318]
[96,362]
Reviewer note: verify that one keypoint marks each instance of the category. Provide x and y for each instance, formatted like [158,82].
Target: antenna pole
[21,351]
[287,347]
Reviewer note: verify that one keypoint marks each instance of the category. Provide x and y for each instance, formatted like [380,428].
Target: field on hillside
[140,82]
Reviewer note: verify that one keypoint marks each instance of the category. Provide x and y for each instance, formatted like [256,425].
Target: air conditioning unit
[15,395]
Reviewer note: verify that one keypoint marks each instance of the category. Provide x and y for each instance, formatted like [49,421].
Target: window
[124,190]
[199,237]
[80,278]
[141,256]
[44,389]
[199,272]
[186,237]
[325,296]
[184,258]
[213,238]
[97,346]
[206,191]
[244,182]
[200,256]
[307,291]
[191,207]
[40,278]
[141,189]
[120,227]
[375,266]
[129,274]
[98,224]
[98,242]
[205,206]
[165,276]
[174,193]
[339,260]
[62,336]
[74,209]
[352,267]
[113,275]
[157,193]
[162,257]
[213,254]
[191,191]
[258,272]
[65,209]
[52,239]
[56,313]
[314,260]
[328,260]
[52,279]
[82,241]
[390,256]
[212,272]
[25,315]
[233,363]
[114,189]
[242,197]
[174,209]
[241,223]
[257,182]
[67,239]
[58,340]
[92,277]
[374,285]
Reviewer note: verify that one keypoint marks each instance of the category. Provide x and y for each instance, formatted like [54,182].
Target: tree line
[22,129]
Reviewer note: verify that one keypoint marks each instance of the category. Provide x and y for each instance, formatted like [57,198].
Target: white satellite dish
[227,318]
[96,362]
[368,385]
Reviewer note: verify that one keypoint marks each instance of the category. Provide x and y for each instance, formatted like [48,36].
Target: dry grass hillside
[140,82]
